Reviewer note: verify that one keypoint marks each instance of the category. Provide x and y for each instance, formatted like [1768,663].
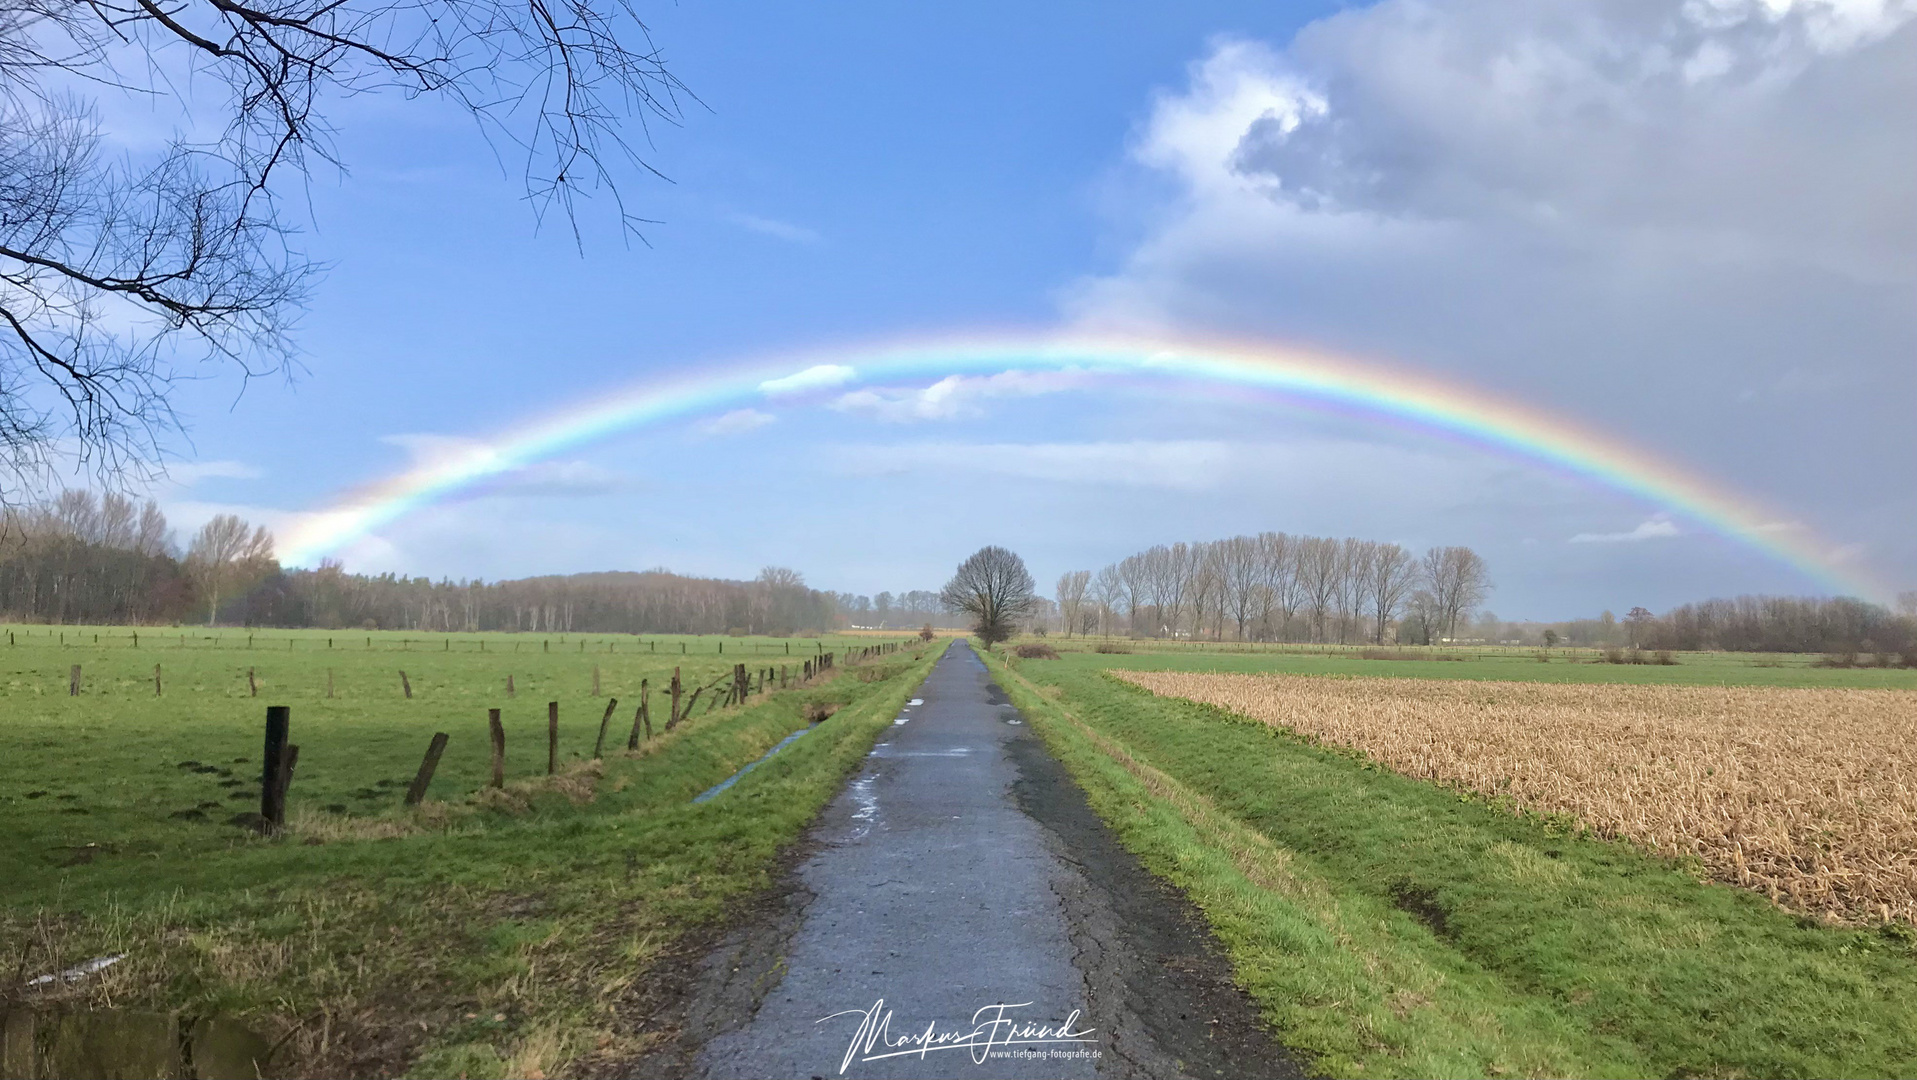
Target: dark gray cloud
[1687,223]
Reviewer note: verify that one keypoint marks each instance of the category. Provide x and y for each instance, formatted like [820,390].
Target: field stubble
[1809,795]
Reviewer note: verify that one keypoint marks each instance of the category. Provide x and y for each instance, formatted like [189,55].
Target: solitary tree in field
[995,589]
[123,272]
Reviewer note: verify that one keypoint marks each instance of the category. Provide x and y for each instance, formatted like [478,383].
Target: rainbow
[1317,378]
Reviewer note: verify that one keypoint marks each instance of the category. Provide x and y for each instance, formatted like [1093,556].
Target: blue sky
[1680,224]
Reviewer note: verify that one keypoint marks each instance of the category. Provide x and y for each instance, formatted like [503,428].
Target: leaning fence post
[426,767]
[599,746]
[639,717]
[406,685]
[552,737]
[272,773]
[499,747]
[252,685]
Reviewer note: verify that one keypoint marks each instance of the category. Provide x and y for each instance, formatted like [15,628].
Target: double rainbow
[1313,377]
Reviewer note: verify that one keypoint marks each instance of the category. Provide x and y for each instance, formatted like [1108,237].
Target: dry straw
[1807,795]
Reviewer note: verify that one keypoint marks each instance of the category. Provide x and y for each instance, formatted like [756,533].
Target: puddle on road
[867,814]
[110,1044]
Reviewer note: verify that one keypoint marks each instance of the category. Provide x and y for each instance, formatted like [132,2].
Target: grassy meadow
[1390,926]
[488,932]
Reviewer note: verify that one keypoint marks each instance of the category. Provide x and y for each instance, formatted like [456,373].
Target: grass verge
[1388,927]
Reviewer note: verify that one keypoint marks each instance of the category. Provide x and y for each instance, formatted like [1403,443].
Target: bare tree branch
[118,277]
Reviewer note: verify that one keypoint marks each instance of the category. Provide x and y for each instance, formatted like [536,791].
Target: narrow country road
[964,914]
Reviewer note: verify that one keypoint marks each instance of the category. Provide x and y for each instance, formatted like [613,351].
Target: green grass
[1392,928]
[378,936]
[1518,665]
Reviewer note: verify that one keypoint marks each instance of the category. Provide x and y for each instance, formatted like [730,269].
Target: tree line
[1785,624]
[82,558]
[1278,587]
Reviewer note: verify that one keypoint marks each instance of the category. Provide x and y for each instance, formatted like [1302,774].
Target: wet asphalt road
[935,897]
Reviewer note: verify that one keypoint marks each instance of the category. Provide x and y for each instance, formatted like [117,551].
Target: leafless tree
[1072,587]
[1422,621]
[1458,581]
[1318,573]
[1393,572]
[1278,580]
[1110,592]
[1206,588]
[994,589]
[120,274]
[1140,591]
[225,555]
[1238,571]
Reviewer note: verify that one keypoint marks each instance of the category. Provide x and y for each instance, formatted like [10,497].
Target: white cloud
[773,227]
[956,395]
[1568,203]
[815,377]
[1658,527]
[736,422]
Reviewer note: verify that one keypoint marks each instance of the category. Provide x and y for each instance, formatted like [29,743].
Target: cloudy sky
[1688,225]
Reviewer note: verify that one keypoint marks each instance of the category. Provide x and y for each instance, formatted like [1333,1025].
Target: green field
[1389,927]
[487,932]
[1516,664]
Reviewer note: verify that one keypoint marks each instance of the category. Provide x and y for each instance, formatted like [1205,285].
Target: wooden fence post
[156,680]
[499,747]
[595,679]
[329,682]
[406,685]
[272,795]
[639,717]
[509,687]
[252,684]
[599,745]
[672,720]
[552,737]
[426,767]
[73,682]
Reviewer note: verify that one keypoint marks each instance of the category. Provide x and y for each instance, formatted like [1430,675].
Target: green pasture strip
[1691,669]
[524,905]
[1389,927]
[164,639]
[105,768]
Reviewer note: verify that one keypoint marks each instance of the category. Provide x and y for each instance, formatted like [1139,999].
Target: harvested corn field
[1809,795]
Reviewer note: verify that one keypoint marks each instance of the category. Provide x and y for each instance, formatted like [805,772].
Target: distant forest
[80,558]
[83,559]
[1785,624]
